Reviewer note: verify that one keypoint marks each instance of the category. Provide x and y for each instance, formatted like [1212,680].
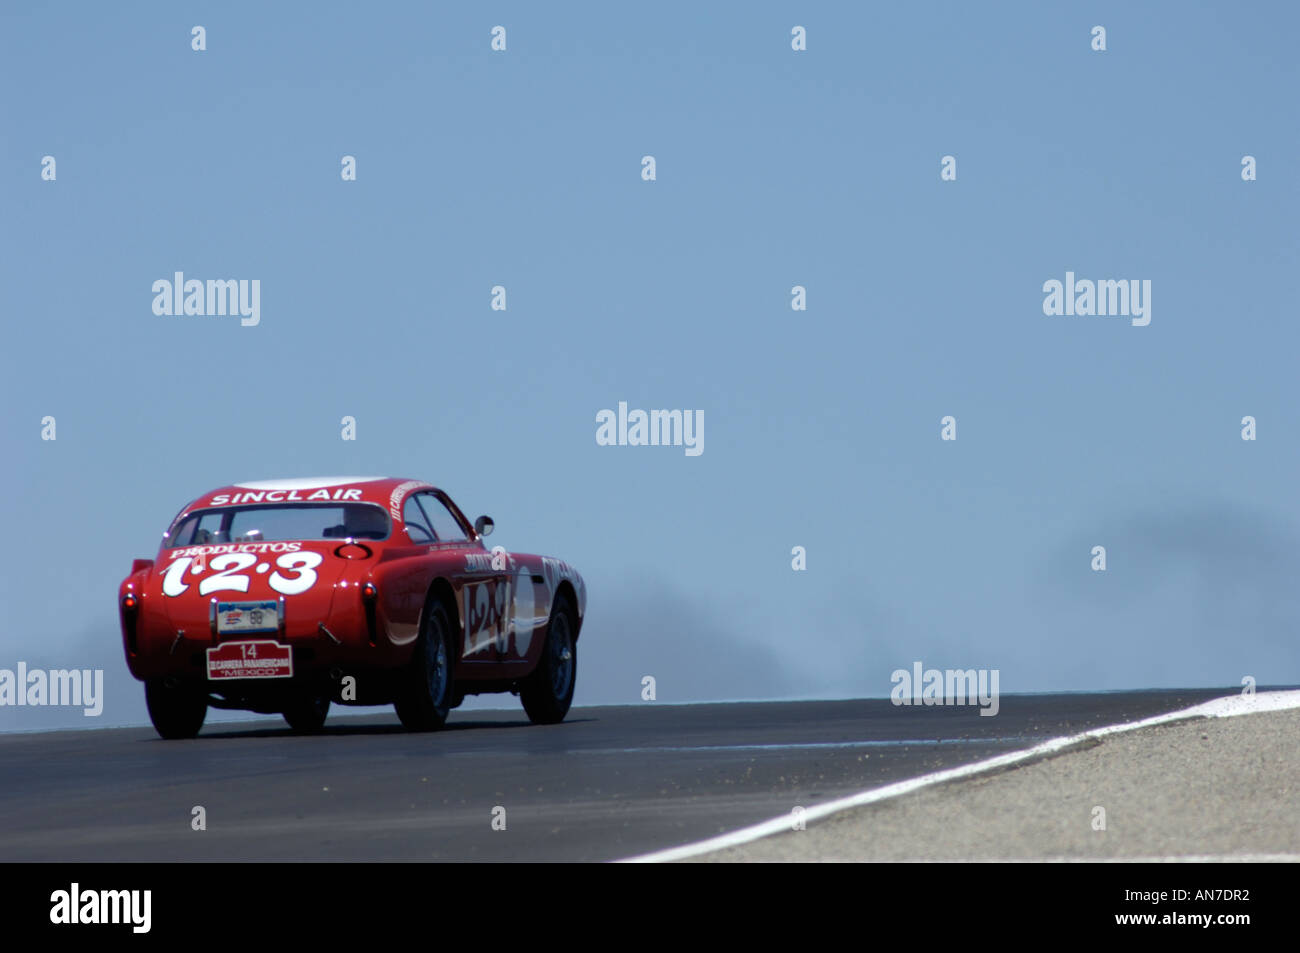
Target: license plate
[260,659]
[241,617]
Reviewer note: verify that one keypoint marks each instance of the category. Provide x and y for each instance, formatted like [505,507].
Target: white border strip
[1217,708]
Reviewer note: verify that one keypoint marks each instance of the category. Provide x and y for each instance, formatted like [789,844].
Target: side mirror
[483,526]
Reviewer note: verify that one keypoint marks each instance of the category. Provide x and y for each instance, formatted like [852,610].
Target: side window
[417,526]
[183,533]
[209,529]
[444,524]
[199,529]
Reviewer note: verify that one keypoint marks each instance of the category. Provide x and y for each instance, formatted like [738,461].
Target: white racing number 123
[229,573]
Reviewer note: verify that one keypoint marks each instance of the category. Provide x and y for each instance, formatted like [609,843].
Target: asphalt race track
[608,783]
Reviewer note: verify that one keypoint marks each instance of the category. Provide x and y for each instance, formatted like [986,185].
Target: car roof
[384,491]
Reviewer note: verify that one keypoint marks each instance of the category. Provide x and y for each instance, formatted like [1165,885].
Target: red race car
[286,595]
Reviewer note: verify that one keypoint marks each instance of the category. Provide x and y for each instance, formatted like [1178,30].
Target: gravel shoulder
[1207,788]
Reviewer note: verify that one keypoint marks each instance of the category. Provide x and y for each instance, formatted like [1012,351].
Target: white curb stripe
[1217,708]
[1153,859]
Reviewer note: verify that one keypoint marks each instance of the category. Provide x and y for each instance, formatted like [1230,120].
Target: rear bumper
[343,643]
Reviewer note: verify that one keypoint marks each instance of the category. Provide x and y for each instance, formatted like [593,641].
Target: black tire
[308,713]
[548,691]
[176,711]
[426,697]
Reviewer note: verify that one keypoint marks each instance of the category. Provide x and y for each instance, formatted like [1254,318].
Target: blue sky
[775,168]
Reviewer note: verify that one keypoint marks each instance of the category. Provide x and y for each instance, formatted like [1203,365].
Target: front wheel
[548,692]
[177,711]
[427,694]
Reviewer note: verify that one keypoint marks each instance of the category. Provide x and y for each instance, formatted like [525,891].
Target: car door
[485,589]
[407,581]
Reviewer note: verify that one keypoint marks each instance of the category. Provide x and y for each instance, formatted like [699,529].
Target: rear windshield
[277,522]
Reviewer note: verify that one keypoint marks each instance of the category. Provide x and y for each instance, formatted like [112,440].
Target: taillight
[368,596]
[130,603]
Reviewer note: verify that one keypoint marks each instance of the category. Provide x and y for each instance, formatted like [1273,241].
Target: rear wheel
[548,692]
[177,711]
[308,713]
[427,695]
